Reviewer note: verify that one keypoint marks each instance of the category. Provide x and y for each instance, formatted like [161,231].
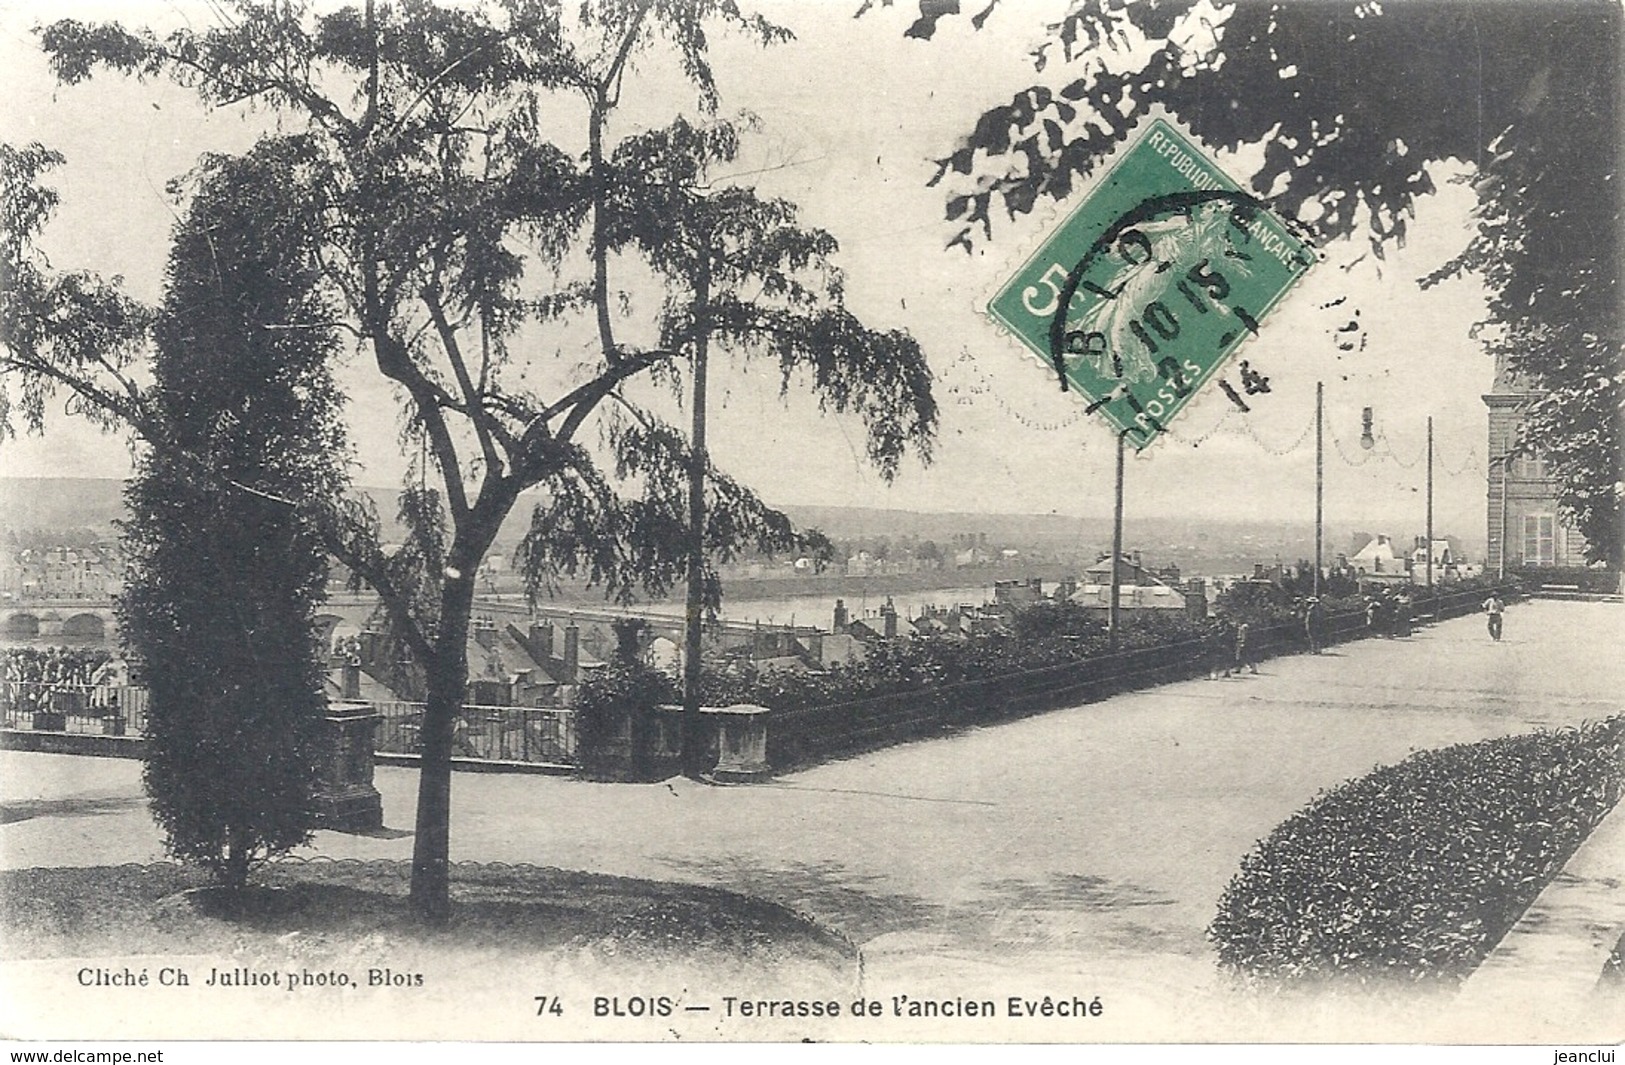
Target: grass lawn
[355,912]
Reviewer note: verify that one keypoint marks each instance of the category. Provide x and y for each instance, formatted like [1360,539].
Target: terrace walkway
[1079,851]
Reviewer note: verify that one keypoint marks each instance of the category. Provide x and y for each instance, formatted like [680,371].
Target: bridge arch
[86,624]
[22,623]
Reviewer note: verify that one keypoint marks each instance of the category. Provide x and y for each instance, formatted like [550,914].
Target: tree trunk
[447,681]
[237,861]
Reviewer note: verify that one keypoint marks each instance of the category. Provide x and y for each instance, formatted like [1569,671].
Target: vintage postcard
[896,521]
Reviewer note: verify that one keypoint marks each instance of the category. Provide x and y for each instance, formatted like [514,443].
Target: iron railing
[101,709]
[543,735]
[530,734]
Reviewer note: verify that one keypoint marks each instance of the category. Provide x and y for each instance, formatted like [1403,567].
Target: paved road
[1083,849]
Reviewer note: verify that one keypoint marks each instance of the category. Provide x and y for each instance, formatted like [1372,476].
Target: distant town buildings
[538,665]
[93,571]
[1139,588]
[1447,560]
[1377,558]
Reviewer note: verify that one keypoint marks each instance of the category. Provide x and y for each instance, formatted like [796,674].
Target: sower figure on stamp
[1494,608]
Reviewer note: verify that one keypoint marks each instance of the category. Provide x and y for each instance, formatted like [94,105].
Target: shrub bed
[1417,870]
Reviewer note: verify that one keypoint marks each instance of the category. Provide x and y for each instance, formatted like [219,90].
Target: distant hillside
[1195,544]
[852,523]
[60,503]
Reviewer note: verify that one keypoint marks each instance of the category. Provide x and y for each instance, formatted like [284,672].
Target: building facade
[1523,524]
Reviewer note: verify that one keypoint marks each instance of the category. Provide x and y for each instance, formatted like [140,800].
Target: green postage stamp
[1163,270]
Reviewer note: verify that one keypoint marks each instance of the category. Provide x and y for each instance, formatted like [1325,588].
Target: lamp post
[1117,550]
[1505,462]
[1320,475]
[1430,509]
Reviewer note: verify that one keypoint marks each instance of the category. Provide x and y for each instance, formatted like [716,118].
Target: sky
[850,117]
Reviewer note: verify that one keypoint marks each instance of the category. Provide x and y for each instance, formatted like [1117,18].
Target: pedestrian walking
[1494,608]
[1313,617]
[1243,653]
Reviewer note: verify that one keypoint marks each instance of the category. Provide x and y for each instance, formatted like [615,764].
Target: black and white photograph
[899,522]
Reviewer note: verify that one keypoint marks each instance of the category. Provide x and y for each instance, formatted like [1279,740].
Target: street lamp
[1430,514]
[1505,462]
[1320,476]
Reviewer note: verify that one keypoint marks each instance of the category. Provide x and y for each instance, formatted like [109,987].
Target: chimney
[840,616]
[1196,599]
[815,647]
[572,654]
[541,640]
[351,672]
[888,619]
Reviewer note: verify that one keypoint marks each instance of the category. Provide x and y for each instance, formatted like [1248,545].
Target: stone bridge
[85,618]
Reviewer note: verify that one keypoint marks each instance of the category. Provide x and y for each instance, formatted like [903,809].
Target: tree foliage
[469,253]
[225,567]
[1354,102]
[1045,620]
[58,329]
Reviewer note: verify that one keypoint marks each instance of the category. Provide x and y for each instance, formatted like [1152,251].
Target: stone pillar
[741,742]
[350,671]
[345,797]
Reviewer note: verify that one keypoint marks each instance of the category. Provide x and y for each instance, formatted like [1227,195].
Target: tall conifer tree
[225,568]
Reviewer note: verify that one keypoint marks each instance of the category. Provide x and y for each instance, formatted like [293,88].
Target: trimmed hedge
[1417,870]
[925,664]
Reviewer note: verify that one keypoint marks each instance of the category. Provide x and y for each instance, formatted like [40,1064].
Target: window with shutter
[1539,539]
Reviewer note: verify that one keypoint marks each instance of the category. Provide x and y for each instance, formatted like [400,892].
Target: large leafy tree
[226,564]
[1354,101]
[463,247]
